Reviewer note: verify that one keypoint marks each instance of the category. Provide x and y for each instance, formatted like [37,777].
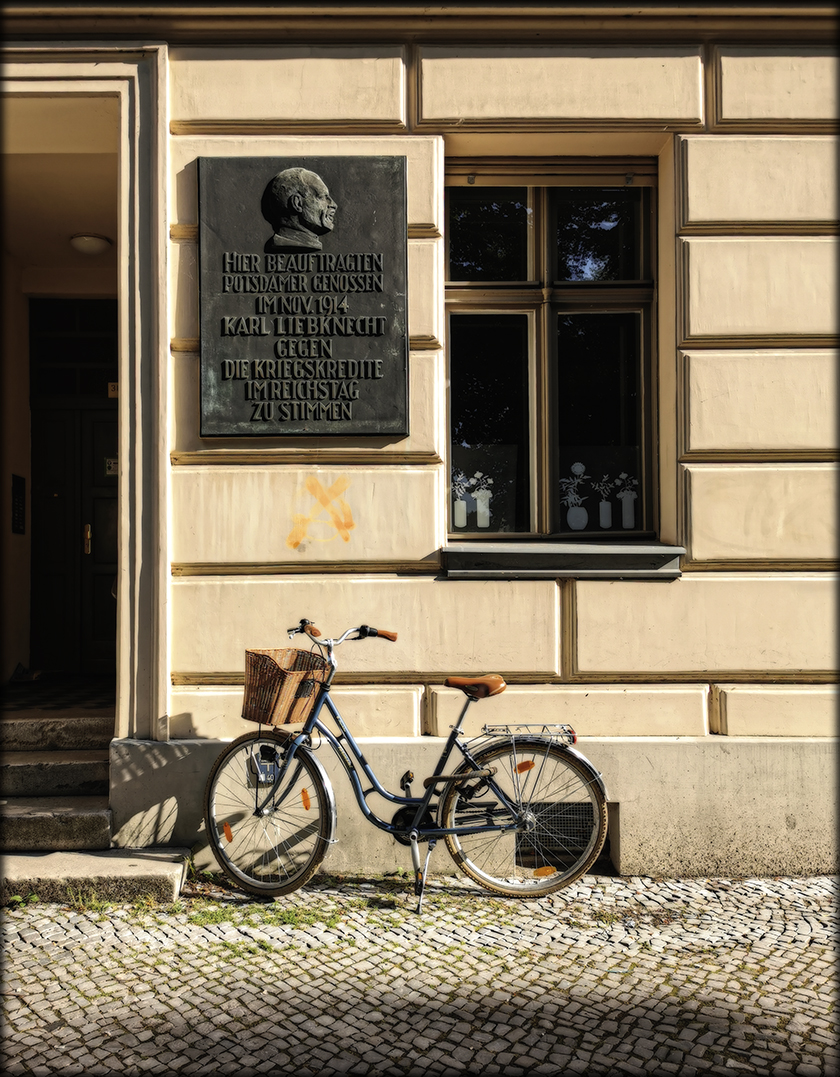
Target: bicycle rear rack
[555,733]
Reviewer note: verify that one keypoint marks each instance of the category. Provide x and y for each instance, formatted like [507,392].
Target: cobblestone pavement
[610,976]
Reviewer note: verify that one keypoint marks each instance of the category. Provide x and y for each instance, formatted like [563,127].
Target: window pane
[488,233]
[489,422]
[599,456]
[598,233]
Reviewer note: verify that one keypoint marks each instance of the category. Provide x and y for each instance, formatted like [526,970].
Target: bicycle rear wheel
[559,808]
[268,841]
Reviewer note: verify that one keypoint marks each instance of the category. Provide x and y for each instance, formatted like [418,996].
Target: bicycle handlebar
[363,631]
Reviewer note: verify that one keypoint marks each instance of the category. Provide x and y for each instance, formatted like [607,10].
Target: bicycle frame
[351,757]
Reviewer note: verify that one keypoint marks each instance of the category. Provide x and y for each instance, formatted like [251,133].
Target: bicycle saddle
[478,687]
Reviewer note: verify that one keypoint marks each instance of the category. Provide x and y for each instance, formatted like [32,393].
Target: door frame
[137,76]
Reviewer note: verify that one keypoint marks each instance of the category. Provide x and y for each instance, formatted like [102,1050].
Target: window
[550,287]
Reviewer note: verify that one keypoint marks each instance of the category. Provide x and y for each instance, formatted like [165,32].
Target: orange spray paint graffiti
[329,501]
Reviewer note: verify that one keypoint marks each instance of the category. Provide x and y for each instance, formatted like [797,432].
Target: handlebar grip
[366,630]
[311,630]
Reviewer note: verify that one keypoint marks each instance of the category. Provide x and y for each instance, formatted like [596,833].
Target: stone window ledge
[553,560]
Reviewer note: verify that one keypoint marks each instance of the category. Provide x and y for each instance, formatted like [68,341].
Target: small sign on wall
[303,296]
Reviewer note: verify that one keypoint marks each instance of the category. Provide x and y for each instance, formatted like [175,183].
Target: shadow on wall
[157,790]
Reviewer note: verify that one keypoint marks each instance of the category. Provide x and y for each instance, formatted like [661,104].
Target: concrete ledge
[112,875]
[720,805]
[680,806]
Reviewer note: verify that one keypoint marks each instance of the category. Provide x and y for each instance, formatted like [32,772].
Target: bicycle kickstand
[419,873]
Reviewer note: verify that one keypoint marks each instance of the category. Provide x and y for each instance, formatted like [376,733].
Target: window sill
[553,560]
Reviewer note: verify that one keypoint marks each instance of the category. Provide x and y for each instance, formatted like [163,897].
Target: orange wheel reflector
[228,832]
[529,764]
[548,870]
[304,796]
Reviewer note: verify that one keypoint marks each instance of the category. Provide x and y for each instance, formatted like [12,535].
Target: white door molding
[137,76]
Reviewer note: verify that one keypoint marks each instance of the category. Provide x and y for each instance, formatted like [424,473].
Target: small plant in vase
[576,515]
[480,489]
[460,486]
[627,496]
[605,488]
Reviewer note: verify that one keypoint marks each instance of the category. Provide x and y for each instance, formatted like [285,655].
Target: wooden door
[75,475]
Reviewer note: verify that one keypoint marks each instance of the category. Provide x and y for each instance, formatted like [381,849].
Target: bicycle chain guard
[404,819]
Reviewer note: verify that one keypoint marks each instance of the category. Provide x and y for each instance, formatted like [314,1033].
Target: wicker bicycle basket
[281,685]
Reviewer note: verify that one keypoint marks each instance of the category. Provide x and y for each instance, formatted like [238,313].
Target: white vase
[482,503]
[605,514]
[459,514]
[577,517]
[628,510]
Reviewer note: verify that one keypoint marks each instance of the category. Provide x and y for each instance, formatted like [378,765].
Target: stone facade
[739,648]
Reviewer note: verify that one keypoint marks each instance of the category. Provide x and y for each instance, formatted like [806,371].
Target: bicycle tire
[555,795]
[276,847]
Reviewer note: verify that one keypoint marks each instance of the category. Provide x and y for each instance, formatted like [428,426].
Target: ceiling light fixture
[89,243]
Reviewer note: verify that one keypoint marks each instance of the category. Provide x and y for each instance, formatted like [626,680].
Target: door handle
[88,534]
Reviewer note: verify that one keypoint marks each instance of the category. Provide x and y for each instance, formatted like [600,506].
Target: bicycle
[523,815]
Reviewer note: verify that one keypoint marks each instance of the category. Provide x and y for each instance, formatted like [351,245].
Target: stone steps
[54,779]
[55,818]
[55,733]
[71,772]
[54,824]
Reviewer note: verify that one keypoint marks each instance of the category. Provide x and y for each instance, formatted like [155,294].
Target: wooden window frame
[543,299]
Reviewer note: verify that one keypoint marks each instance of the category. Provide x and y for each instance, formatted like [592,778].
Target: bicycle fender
[589,768]
[327,788]
[536,741]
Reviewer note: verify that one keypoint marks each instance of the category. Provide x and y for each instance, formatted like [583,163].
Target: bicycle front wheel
[557,805]
[268,840]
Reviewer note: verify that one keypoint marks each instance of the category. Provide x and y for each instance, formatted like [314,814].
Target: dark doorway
[73,399]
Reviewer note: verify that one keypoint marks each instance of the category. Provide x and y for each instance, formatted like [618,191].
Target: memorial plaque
[303,296]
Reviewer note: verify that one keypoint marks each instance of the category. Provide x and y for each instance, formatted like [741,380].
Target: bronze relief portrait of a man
[297,205]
